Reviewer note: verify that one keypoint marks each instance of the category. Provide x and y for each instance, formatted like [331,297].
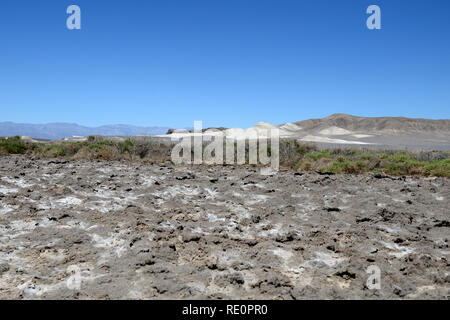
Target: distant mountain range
[336,124]
[61,130]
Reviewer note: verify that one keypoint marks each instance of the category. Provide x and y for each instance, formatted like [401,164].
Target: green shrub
[60,151]
[366,156]
[126,145]
[318,155]
[13,145]
[307,166]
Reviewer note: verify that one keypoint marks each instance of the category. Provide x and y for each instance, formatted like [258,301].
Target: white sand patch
[21,183]
[334,131]
[199,230]
[176,191]
[274,231]
[112,242]
[360,136]
[327,259]
[284,254]
[6,209]
[108,195]
[105,170]
[30,288]
[400,250]
[147,182]
[393,229]
[17,228]
[330,140]
[53,175]
[6,190]
[104,206]
[252,186]
[76,139]
[290,127]
[257,198]
[167,225]
[211,193]
[68,201]
[72,224]
[213,218]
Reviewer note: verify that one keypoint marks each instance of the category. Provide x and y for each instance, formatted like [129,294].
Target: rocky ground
[123,230]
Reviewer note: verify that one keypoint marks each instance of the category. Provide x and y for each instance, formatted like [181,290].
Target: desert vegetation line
[294,155]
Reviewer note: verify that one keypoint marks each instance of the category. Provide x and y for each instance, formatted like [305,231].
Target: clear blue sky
[229,63]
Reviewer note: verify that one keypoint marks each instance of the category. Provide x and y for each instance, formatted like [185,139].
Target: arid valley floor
[157,231]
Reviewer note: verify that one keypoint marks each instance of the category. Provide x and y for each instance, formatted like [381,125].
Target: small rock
[4,267]
[398,291]
[211,262]
[188,237]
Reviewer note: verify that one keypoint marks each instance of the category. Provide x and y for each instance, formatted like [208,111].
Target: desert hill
[391,125]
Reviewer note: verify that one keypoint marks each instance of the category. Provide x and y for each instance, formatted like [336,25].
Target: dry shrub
[106,154]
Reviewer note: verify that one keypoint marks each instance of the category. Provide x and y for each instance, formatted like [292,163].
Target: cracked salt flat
[17,228]
[175,191]
[126,274]
[21,183]
[274,231]
[393,229]
[67,201]
[326,258]
[211,193]
[29,288]
[402,251]
[7,209]
[286,255]
[6,190]
[213,218]
[111,242]
[147,182]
